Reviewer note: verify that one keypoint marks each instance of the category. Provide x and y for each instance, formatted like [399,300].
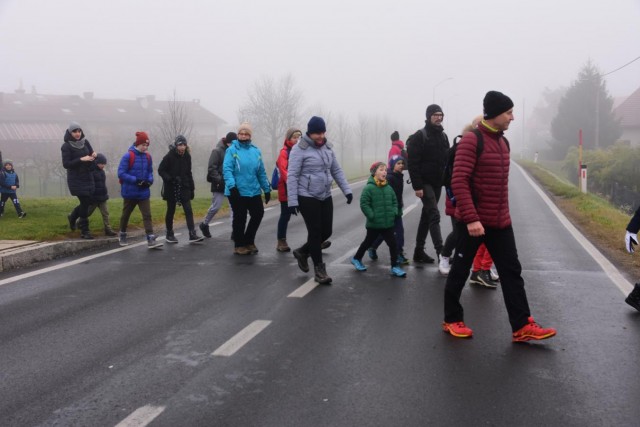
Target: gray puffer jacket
[312,170]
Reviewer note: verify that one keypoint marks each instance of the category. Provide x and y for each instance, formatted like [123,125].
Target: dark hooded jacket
[427,157]
[79,173]
[214,170]
[175,169]
[100,194]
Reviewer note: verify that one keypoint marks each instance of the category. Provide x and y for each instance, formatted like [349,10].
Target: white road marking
[303,290]
[268,209]
[610,270]
[216,223]
[241,338]
[141,416]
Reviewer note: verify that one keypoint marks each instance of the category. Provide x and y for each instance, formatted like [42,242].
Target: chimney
[20,90]
[87,95]
[33,90]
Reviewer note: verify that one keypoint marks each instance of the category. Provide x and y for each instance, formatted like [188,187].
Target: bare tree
[272,107]
[175,121]
[342,130]
[362,132]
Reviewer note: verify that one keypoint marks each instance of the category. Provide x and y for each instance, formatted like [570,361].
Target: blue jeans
[398,231]
[283,222]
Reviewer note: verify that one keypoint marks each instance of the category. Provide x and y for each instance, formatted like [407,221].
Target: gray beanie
[73,126]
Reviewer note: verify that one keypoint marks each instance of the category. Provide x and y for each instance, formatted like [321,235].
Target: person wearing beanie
[100,194]
[245,180]
[135,172]
[312,168]
[178,187]
[397,147]
[282,163]
[380,206]
[427,151]
[78,159]
[487,220]
[9,184]
[216,178]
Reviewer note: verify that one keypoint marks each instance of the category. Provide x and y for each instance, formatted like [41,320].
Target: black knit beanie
[316,125]
[496,103]
[432,109]
[395,136]
[231,136]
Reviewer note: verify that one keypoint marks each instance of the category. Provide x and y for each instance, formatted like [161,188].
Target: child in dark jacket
[9,184]
[101,194]
[380,206]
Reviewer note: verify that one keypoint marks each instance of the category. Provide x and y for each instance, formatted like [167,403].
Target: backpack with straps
[132,159]
[451,156]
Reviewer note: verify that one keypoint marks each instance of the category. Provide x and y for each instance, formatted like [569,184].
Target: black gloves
[349,198]
[142,183]
[293,210]
[234,192]
[267,197]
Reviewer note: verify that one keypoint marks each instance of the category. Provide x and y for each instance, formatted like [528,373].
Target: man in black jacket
[427,156]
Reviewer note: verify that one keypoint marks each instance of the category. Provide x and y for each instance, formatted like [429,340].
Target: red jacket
[283,164]
[397,149]
[481,185]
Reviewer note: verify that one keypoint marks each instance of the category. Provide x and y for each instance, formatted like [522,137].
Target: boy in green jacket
[380,206]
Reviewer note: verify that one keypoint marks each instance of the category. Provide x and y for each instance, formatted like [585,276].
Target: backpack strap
[480,143]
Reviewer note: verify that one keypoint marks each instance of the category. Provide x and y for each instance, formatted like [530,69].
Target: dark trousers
[389,238]
[318,217]
[283,222]
[82,210]
[186,206]
[245,234]
[430,218]
[451,240]
[14,199]
[398,231]
[502,246]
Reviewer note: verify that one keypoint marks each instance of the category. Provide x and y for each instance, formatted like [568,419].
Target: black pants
[451,240]
[502,246]
[430,218]
[14,199]
[186,206]
[244,234]
[318,217]
[389,238]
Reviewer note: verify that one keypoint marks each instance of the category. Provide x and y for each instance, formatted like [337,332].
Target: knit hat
[395,159]
[432,109]
[244,126]
[395,136]
[496,103]
[101,159]
[291,132]
[7,162]
[316,125]
[374,167]
[231,136]
[141,138]
[180,140]
[74,126]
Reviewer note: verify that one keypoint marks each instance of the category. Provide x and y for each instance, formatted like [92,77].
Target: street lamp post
[438,84]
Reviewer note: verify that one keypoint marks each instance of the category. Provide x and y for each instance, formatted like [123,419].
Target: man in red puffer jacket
[481,187]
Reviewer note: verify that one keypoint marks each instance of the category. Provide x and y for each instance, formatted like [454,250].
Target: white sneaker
[494,273]
[444,265]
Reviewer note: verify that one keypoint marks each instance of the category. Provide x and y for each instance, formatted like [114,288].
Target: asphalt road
[142,336]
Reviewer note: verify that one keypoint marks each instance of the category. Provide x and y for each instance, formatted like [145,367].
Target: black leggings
[171,210]
[389,238]
[82,210]
[245,234]
[318,217]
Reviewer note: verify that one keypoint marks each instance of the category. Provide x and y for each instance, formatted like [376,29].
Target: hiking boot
[152,241]
[72,221]
[483,278]
[373,254]
[303,260]
[402,259]
[170,237]
[204,228]
[194,238]
[532,331]
[398,272]
[457,329]
[325,244]
[321,274]
[444,266]
[358,264]
[83,224]
[122,239]
[241,250]
[282,246]
[634,297]
[109,232]
[252,248]
[22,214]
[86,235]
[419,255]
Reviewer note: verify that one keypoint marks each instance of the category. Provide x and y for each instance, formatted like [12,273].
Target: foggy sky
[375,57]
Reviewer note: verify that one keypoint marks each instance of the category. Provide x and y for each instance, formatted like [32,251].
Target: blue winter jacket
[7,180]
[312,170]
[243,168]
[142,170]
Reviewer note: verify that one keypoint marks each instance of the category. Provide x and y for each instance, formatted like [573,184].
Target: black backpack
[451,156]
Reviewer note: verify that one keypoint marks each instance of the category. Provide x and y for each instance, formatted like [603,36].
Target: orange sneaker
[533,331]
[457,329]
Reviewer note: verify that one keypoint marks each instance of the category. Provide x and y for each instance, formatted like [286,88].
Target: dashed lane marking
[303,290]
[141,416]
[241,338]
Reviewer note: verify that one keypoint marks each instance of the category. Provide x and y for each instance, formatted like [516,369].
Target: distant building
[629,114]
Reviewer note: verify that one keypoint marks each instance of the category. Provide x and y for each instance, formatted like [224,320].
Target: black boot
[419,255]
[303,259]
[109,232]
[83,224]
[321,274]
[171,238]
[73,217]
[634,297]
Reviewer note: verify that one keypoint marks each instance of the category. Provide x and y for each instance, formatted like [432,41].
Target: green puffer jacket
[379,205]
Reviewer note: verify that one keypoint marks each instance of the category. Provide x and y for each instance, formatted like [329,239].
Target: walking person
[291,139]
[631,240]
[312,168]
[216,178]
[77,159]
[101,194]
[380,206]
[480,184]
[245,179]
[135,172]
[9,184]
[427,155]
[397,147]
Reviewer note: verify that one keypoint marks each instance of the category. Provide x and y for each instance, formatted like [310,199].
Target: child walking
[101,194]
[380,206]
[9,184]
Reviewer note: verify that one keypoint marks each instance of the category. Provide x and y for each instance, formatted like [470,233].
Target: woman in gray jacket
[312,168]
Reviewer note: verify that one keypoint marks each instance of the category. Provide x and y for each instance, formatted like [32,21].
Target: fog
[377,57]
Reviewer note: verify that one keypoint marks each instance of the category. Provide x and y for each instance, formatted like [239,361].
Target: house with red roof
[629,114]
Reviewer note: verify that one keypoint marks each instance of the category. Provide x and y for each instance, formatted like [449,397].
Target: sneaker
[122,239]
[241,250]
[303,260]
[152,241]
[457,329]
[483,278]
[325,244]
[444,266]
[253,248]
[204,228]
[494,273]
[402,259]
[634,297]
[22,214]
[398,272]
[533,331]
[358,264]
[194,238]
[419,255]
[171,238]
[373,254]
